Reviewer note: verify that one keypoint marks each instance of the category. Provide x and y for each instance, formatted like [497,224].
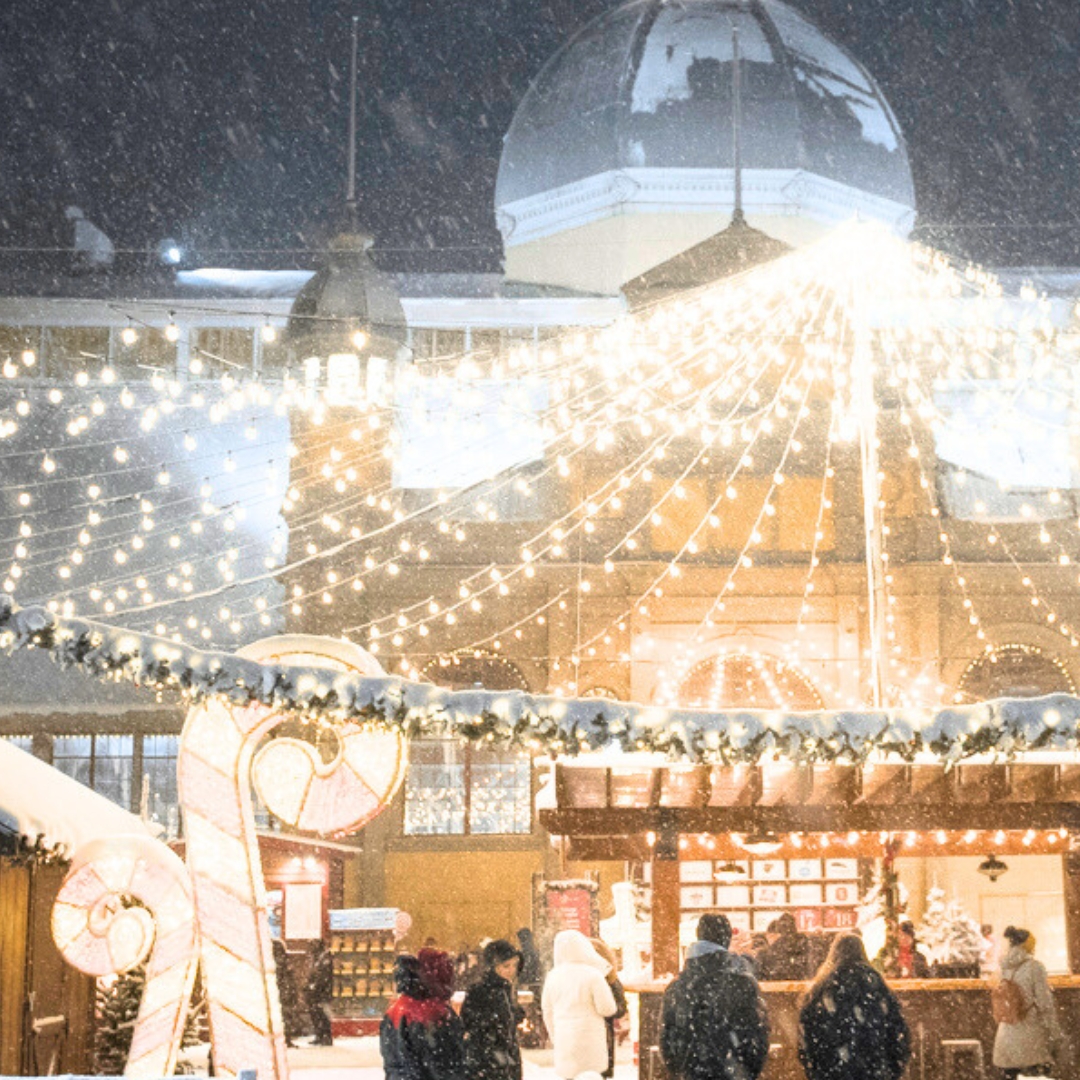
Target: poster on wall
[275,902]
[848,893]
[303,911]
[564,905]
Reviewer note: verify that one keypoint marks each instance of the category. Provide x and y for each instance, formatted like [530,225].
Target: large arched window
[464,790]
[747,680]
[1014,671]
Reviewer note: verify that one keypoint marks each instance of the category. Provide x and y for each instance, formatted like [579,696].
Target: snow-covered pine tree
[951,937]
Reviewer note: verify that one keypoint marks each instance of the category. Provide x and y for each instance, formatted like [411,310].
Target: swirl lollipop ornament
[127,899]
[217,767]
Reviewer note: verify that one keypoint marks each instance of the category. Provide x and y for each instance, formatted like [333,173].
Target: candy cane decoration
[215,769]
[98,931]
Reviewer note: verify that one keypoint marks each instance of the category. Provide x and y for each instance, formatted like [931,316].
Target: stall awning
[630,801]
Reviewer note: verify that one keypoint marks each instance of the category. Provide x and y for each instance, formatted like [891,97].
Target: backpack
[1007,1003]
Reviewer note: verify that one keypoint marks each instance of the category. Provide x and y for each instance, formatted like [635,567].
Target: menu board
[821,893]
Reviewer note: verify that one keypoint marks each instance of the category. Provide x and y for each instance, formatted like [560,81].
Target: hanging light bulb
[172,331]
[129,335]
[992,867]
[268,333]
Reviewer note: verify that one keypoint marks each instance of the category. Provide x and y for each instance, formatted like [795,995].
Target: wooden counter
[937,1010]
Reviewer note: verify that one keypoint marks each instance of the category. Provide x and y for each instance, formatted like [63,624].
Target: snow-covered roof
[38,800]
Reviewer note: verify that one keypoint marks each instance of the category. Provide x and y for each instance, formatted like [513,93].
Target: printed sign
[805,869]
[695,870]
[847,893]
[770,895]
[740,921]
[841,918]
[809,919]
[805,894]
[841,868]
[764,919]
[696,896]
[732,896]
[769,869]
[733,870]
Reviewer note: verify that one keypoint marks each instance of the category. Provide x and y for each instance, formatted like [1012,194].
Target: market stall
[755,841]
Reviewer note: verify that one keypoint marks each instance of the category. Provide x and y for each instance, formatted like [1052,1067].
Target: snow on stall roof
[1006,726]
[266,283]
[38,800]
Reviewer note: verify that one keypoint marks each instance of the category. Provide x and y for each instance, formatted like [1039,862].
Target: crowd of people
[715,1024]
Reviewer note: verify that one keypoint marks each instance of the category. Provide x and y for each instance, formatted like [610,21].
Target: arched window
[465,790]
[738,680]
[1014,671]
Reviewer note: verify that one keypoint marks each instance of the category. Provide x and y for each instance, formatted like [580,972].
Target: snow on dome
[648,85]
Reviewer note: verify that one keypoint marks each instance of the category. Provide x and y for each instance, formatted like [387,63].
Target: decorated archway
[748,680]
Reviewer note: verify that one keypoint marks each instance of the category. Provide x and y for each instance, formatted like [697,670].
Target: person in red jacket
[421,1037]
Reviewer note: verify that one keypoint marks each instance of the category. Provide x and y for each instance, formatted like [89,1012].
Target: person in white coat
[575,1001]
[1030,1046]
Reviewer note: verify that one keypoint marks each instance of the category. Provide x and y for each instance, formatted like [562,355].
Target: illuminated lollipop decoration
[217,764]
[99,930]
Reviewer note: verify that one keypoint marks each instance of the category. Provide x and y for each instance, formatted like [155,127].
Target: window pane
[23,742]
[500,795]
[71,755]
[113,767]
[159,769]
[435,789]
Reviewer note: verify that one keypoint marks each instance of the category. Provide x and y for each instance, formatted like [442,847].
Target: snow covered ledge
[1001,728]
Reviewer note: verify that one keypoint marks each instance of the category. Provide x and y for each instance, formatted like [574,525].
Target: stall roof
[38,800]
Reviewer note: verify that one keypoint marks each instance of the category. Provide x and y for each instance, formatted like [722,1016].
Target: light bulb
[129,335]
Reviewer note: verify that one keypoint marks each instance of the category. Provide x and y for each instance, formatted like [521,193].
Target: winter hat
[436,973]
[573,947]
[714,928]
[498,952]
[1014,935]
[407,978]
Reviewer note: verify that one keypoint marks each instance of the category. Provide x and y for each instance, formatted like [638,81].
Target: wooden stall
[46,1006]
[663,816]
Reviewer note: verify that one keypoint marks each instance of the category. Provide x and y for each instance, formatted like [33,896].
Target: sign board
[364,918]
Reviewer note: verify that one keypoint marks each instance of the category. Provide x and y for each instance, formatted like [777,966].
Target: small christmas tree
[879,914]
[953,939]
[117,1007]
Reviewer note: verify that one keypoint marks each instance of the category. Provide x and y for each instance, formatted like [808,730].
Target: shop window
[455,790]
[101,762]
[23,742]
[1014,671]
[748,681]
[222,349]
[159,778]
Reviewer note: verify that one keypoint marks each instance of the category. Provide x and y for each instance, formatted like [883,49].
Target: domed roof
[648,85]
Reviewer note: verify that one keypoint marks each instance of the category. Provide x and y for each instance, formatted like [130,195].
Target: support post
[665,903]
[1071,883]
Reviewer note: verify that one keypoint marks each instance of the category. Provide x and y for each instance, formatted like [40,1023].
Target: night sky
[221,122]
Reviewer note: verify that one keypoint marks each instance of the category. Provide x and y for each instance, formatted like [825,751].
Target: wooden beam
[913,815]
[666,912]
[1071,877]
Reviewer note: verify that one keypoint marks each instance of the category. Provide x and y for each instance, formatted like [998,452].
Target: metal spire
[350,188]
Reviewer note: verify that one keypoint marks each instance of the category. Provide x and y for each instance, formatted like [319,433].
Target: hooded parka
[576,1000]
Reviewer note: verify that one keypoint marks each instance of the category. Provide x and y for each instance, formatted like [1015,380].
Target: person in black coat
[286,988]
[491,1016]
[421,1037]
[320,992]
[850,1023]
[714,1024]
[787,956]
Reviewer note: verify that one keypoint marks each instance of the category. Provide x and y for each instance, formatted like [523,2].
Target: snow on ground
[358,1059]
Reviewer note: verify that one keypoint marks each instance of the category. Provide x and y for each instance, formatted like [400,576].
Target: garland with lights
[554,724]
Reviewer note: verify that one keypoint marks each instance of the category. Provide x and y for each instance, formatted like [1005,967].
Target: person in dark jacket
[714,1023]
[491,1016]
[286,988]
[421,1037]
[320,991]
[618,992]
[786,958]
[850,1023]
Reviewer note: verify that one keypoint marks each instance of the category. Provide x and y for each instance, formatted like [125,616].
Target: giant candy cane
[99,931]
[217,764]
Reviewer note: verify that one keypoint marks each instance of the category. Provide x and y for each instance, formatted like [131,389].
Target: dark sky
[221,122]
